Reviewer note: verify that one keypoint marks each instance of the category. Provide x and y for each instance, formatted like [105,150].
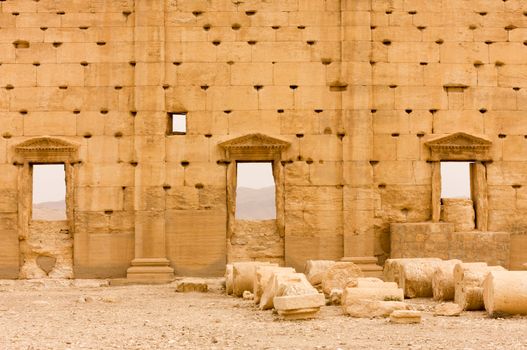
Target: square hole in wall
[177,123]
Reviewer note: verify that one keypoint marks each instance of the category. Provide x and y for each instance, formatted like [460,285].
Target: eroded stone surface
[47,251]
[339,275]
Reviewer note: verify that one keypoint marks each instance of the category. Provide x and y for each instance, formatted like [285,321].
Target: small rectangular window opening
[455,180]
[49,192]
[255,191]
[177,123]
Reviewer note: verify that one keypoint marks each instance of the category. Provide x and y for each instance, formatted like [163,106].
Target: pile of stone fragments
[458,286]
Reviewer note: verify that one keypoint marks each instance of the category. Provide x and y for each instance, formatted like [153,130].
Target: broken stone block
[315,270]
[468,281]
[285,284]
[339,275]
[443,280]
[447,309]
[368,308]
[243,276]
[296,298]
[270,289]
[263,275]
[505,293]
[294,307]
[351,295]
[392,267]
[189,285]
[415,277]
[405,316]
[371,282]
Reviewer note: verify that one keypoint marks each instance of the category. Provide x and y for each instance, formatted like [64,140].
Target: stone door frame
[255,148]
[43,150]
[462,147]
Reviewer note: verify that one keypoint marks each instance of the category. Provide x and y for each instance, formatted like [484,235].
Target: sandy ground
[36,315]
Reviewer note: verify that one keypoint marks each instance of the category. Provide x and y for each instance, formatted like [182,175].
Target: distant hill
[255,204]
[49,211]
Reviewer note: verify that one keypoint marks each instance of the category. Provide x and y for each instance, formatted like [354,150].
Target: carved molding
[254,147]
[459,146]
[46,149]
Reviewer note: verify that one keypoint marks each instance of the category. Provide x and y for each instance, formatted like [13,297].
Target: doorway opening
[457,203]
[255,191]
[455,180]
[49,192]
[47,250]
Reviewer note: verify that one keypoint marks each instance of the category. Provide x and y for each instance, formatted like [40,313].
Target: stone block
[405,317]
[443,286]
[316,269]
[339,275]
[388,293]
[243,276]
[294,307]
[447,309]
[192,285]
[365,308]
[262,277]
[504,293]
[468,282]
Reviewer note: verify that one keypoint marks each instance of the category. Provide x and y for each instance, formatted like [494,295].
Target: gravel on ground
[58,315]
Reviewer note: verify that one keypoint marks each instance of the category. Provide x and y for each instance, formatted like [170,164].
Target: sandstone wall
[355,86]
[441,67]
[441,240]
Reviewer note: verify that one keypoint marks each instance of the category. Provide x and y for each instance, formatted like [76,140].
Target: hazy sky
[455,180]
[255,175]
[49,183]
[49,180]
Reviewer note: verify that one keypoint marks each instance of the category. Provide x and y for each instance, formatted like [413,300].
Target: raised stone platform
[439,240]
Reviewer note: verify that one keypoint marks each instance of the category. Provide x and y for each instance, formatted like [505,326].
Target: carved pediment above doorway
[254,147]
[459,146]
[46,150]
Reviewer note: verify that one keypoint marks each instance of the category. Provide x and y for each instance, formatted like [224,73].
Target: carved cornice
[459,146]
[45,144]
[255,140]
[46,149]
[254,147]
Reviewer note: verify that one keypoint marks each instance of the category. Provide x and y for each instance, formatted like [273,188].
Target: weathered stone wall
[441,67]
[355,86]
[440,240]
[256,241]
[47,251]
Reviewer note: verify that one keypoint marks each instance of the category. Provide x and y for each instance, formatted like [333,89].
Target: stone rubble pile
[292,295]
[472,286]
[274,287]
[468,280]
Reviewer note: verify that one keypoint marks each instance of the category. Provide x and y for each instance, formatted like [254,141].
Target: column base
[368,265]
[147,271]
